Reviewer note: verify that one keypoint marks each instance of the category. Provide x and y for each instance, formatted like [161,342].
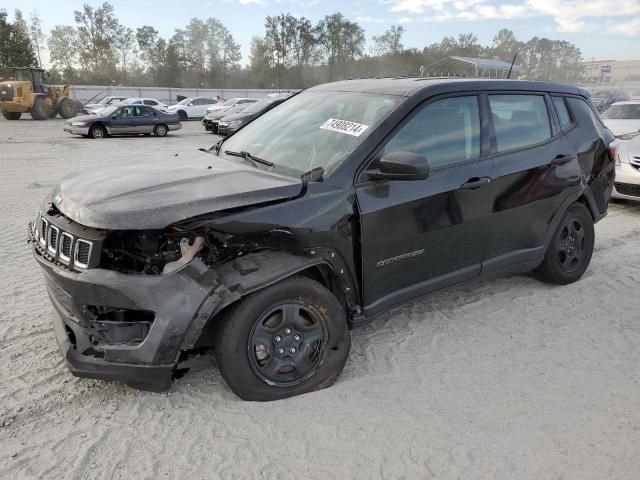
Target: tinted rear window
[519,120]
[563,113]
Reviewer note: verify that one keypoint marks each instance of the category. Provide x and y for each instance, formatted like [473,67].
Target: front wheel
[571,247]
[287,339]
[97,132]
[182,115]
[40,110]
[160,130]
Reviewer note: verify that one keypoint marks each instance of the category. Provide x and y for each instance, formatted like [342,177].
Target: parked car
[124,120]
[192,107]
[104,102]
[230,103]
[327,210]
[623,119]
[210,121]
[231,122]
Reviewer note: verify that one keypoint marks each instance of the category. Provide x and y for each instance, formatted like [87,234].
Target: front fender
[255,271]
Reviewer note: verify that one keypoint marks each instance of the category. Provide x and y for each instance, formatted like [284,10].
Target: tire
[571,247]
[97,132]
[67,108]
[313,338]
[40,109]
[182,115]
[11,115]
[160,130]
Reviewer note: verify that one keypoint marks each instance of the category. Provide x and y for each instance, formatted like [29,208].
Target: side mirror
[401,165]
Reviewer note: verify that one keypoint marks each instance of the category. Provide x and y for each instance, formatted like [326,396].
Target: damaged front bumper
[132,328]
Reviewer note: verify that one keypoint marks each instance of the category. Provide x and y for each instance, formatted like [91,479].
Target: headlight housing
[78,124]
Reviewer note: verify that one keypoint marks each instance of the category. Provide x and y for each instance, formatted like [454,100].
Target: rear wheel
[67,108]
[571,247]
[287,339]
[11,115]
[40,109]
[97,132]
[160,130]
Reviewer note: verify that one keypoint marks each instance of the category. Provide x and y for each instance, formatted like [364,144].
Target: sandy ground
[504,378]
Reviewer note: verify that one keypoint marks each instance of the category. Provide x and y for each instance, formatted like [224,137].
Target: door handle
[561,159]
[475,182]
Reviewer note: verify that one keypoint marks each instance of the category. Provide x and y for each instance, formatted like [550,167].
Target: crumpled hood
[155,192]
[620,127]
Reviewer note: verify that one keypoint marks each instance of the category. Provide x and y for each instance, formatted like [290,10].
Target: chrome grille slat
[52,239]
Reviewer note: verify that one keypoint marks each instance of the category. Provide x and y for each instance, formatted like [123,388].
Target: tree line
[293,52]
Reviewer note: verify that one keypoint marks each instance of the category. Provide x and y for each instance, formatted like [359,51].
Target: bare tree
[38,38]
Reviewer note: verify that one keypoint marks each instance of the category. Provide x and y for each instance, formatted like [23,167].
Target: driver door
[123,120]
[422,235]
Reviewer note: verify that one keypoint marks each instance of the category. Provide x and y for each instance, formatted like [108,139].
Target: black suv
[334,206]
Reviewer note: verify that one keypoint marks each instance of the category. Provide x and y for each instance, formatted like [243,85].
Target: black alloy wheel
[286,344]
[289,338]
[569,252]
[570,245]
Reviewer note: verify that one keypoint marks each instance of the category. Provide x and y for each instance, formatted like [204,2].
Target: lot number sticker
[343,126]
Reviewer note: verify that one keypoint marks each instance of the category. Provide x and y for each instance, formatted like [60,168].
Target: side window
[584,112]
[147,112]
[519,120]
[202,101]
[446,132]
[563,113]
[150,102]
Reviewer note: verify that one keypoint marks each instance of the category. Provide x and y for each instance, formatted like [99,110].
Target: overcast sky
[605,29]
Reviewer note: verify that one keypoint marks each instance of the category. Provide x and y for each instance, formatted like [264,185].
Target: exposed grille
[628,189]
[63,246]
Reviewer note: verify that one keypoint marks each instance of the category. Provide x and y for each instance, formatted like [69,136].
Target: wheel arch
[245,275]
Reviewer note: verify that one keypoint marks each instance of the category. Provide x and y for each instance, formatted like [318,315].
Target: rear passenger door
[146,120]
[536,171]
[419,236]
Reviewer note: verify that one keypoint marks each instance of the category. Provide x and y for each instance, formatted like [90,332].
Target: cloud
[568,15]
[251,2]
[367,19]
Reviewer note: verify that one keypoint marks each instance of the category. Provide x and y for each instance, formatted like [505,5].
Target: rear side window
[519,120]
[563,113]
[446,132]
[150,102]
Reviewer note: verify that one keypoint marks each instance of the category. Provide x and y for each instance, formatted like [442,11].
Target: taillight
[613,152]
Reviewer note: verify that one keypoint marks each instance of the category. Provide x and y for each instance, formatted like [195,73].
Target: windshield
[629,111]
[257,107]
[312,129]
[108,110]
[185,101]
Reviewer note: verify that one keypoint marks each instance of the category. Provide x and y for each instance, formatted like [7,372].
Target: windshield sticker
[343,126]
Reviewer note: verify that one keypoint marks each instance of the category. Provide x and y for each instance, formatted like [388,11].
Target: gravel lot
[504,378]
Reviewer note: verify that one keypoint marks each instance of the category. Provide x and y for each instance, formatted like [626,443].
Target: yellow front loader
[23,90]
